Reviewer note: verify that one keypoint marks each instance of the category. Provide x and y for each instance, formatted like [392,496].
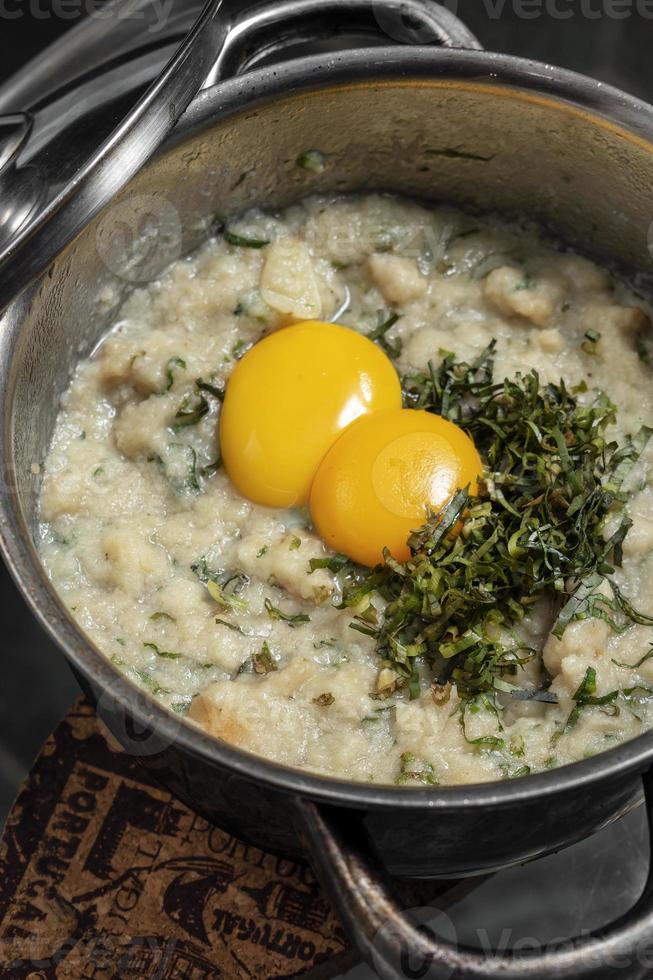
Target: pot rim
[575,93]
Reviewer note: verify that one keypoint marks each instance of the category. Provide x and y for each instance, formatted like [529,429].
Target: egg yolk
[385,472]
[290,397]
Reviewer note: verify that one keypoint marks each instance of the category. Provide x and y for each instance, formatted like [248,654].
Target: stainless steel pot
[464,126]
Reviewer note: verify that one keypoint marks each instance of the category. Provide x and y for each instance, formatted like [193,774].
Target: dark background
[36,687]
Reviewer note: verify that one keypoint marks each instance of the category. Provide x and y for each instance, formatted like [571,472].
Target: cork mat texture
[103,874]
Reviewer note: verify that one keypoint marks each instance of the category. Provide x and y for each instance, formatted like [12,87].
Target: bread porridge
[513,635]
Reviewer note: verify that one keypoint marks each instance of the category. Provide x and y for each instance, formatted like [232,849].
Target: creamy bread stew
[529,646]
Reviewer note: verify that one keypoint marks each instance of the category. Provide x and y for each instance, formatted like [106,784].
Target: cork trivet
[103,874]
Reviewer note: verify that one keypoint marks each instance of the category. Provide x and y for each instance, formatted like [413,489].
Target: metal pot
[464,126]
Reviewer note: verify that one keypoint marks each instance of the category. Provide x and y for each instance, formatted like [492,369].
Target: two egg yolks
[312,414]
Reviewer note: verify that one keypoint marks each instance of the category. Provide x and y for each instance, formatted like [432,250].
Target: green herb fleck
[227,599]
[165,654]
[379,334]
[319,644]
[209,388]
[642,660]
[414,770]
[174,362]
[292,620]
[241,241]
[590,343]
[192,410]
[334,563]
[585,696]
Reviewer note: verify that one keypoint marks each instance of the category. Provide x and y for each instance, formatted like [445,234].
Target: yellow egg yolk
[379,480]
[289,399]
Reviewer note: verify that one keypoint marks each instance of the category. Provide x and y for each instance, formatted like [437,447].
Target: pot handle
[270,27]
[397,950]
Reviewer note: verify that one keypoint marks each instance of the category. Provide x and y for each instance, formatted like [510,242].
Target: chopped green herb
[98,471]
[292,620]
[515,772]
[335,563]
[181,707]
[174,362]
[378,335]
[205,573]
[589,344]
[295,544]
[165,654]
[262,551]
[151,684]
[241,241]
[534,528]
[192,410]
[227,599]
[157,616]
[264,661]
[585,696]
[546,697]
[239,349]
[234,627]
[210,389]
[642,660]
[179,465]
[414,770]
[211,468]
